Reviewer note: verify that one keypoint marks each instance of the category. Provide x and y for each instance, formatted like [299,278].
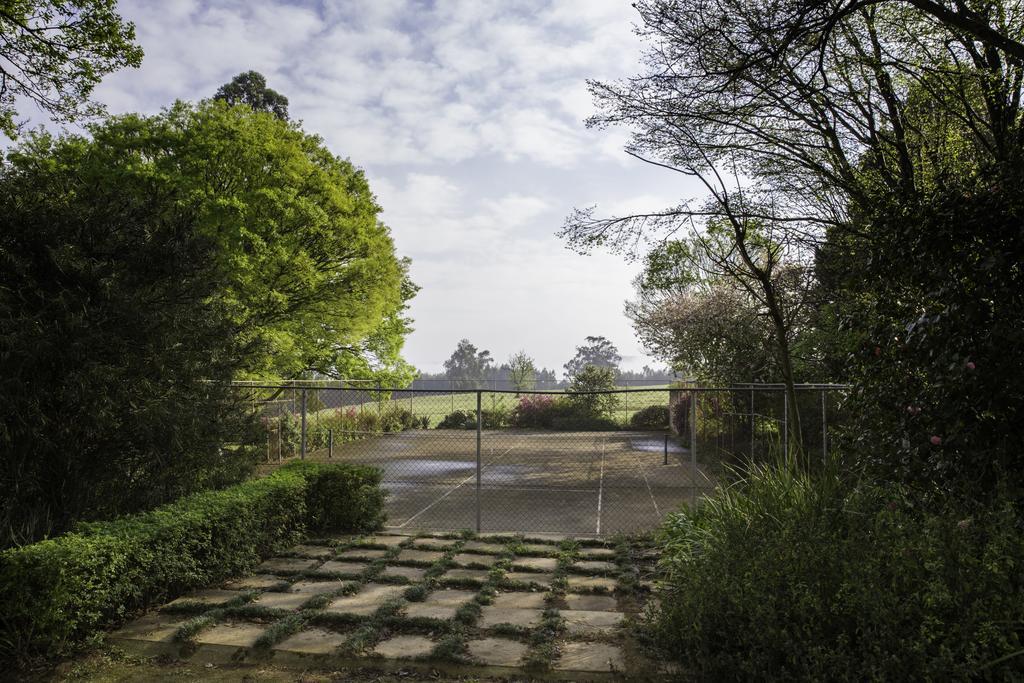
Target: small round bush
[651,417]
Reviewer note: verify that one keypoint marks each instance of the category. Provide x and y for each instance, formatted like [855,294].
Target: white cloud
[468,117]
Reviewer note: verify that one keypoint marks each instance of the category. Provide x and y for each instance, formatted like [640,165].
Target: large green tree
[468,366]
[54,52]
[308,273]
[116,344]
[144,267]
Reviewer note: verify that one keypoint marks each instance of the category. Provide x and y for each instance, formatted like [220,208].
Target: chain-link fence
[504,461]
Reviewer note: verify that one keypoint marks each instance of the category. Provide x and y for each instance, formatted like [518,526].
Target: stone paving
[499,605]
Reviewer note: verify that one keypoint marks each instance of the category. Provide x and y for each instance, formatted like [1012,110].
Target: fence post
[693,447]
[752,423]
[479,428]
[330,443]
[666,450]
[824,430]
[303,447]
[785,427]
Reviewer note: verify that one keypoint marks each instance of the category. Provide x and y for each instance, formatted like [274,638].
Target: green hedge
[788,577]
[56,593]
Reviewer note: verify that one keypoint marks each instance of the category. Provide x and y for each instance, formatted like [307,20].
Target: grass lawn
[436,406]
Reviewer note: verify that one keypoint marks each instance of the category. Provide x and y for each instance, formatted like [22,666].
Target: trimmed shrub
[56,593]
[397,419]
[466,419]
[651,417]
[458,419]
[536,411]
[790,577]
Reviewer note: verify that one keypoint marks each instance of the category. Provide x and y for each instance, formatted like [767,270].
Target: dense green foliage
[928,311]
[111,332]
[57,592]
[144,267]
[54,52]
[785,577]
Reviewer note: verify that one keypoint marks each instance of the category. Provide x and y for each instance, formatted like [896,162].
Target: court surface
[595,483]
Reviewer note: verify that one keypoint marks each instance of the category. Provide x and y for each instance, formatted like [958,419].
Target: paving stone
[597,553]
[591,583]
[335,567]
[472,574]
[424,610]
[595,566]
[286,565]
[404,647]
[318,552]
[547,564]
[481,547]
[421,556]
[362,554]
[434,543]
[592,603]
[531,577]
[367,600]
[466,559]
[497,651]
[231,635]
[449,597]
[540,548]
[209,596]
[281,600]
[519,600]
[254,582]
[589,623]
[315,641]
[590,657]
[153,627]
[492,616]
[547,538]
[316,587]
[411,573]
[385,540]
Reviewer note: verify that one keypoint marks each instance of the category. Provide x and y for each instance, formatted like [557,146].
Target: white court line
[600,491]
[643,471]
[457,486]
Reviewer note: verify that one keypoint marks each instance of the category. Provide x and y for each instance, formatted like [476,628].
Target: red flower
[936,440]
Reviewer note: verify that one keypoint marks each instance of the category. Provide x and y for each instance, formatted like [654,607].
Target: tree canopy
[250,88]
[309,274]
[597,351]
[468,365]
[54,52]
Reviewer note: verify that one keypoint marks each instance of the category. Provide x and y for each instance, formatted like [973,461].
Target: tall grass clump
[785,575]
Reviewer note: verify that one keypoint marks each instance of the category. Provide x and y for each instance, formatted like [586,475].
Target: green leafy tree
[522,372]
[308,273]
[250,88]
[468,366]
[54,52]
[588,392]
[116,341]
[597,351]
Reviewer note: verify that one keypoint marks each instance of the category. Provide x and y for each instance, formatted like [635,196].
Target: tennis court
[597,483]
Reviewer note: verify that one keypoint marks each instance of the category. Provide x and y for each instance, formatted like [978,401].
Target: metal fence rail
[544,461]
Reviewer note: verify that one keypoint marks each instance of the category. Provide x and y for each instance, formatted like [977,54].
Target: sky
[468,118]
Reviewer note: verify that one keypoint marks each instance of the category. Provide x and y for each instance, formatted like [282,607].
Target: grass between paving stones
[281,629]
[198,606]
[544,641]
[373,630]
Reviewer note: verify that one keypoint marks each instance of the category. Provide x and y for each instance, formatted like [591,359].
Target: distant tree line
[469,367]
